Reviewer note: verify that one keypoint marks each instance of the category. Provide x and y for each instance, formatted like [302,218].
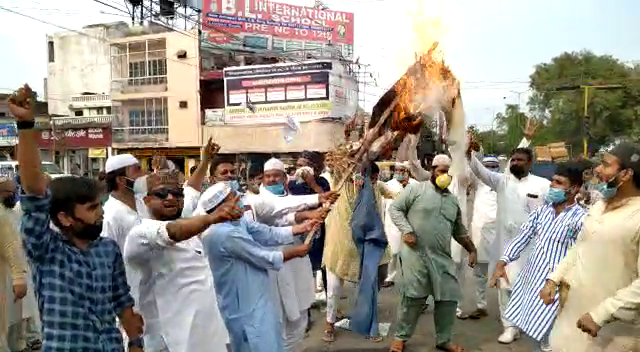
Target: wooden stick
[362,151]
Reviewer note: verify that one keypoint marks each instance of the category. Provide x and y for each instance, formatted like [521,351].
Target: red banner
[273,18]
[76,138]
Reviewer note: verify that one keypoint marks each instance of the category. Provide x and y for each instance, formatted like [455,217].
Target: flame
[428,86]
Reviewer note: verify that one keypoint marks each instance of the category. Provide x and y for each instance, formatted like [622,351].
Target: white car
[49,168]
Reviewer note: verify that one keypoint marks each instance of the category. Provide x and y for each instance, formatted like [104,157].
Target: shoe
[460,314]
[545,347]
[509,335]
[478,314]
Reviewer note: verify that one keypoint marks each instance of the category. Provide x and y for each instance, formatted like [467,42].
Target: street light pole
[585,114]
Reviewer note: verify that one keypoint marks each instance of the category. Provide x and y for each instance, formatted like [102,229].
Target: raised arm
[191,198]
[488,177]
[415,168]
[275,236]
[400,207]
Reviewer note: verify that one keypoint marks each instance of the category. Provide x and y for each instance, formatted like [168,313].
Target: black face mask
[10,202]
[88,231]
[517,170]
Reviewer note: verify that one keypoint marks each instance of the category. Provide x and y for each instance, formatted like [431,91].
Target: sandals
[397,346]
[450,348]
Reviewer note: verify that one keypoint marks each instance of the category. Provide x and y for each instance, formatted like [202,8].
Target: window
[3,114]
[100,111]
[153,72]
[51,51]
[278,44]
[108,110]
[149,117]
[78,113]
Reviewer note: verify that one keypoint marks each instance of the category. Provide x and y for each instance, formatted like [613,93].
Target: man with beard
[13,264]
[176,286]
[429,217]
[79,276]
[553,228]
[598,278]
[293,283]
[519,193]
[241,253]
[314,184]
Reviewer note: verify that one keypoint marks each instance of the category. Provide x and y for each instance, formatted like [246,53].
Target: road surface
[474,335]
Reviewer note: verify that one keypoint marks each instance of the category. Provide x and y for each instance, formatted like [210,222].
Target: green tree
[559,102]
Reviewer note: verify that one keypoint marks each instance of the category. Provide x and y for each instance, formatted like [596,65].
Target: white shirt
[178,301]
[393,234]
[517,198]
[118,220]
[293,284]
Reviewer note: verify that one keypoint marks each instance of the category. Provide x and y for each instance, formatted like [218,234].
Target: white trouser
[393,268]
[294,332]
[480,273]
[334,291]
[503,301]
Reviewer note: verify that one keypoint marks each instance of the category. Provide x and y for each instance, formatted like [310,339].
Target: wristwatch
[137,342]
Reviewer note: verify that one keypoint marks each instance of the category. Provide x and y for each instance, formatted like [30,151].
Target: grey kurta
[434,217]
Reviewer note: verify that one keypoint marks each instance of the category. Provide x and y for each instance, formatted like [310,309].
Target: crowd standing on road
[149,261]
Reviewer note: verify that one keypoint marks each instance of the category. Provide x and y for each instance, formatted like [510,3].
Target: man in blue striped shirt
[79,276]
[553,228]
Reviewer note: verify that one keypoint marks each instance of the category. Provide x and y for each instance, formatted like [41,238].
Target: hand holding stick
[369,138]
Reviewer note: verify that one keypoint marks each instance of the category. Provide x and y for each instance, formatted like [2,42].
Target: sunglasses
[164,193]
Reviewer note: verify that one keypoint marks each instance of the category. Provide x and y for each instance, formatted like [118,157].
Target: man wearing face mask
[176,285]
[483,233]
[429,217]
[401,179]
[120,211]
[77,273]
[553,228]
[293,283]
[518,194]
[598,278]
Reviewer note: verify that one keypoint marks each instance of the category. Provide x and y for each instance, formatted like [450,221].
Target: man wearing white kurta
[293,284]
[401,179]
[518,194]
[483,233]
[177,298]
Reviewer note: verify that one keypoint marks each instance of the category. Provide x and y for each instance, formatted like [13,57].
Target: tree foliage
[558,99]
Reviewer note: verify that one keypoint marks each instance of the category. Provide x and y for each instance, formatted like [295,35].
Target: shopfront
[77,150]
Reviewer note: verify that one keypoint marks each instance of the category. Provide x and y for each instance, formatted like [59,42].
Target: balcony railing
[93,98]
[145,134]
[150,84]
[63,121]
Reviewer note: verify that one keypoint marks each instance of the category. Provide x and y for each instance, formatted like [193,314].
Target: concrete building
[79,62]
[154,88]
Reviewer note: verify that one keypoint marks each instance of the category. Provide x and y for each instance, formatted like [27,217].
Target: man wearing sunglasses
[176,286]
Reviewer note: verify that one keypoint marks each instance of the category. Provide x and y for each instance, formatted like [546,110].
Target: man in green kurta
[428,216]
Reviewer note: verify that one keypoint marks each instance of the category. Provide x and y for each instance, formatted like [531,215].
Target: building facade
[154,89]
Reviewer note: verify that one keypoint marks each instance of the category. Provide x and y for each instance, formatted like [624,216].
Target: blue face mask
[240,203]
[234,185]
[400,177]
[556,196]
[277,189]
[608,189]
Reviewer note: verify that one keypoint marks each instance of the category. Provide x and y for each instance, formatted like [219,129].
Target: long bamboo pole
[359,157]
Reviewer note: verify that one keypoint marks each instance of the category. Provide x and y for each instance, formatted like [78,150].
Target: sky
[492,46]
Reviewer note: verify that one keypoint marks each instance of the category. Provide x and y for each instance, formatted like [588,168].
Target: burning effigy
[425,91]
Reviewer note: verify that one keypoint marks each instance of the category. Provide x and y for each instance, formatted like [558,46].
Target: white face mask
[140,191]
[140,185]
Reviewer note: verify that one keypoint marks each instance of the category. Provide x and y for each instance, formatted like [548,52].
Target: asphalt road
[474,335]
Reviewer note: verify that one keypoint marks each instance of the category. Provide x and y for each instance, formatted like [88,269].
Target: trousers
[504,295]
[444,316]
[333,289]
[480,274]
